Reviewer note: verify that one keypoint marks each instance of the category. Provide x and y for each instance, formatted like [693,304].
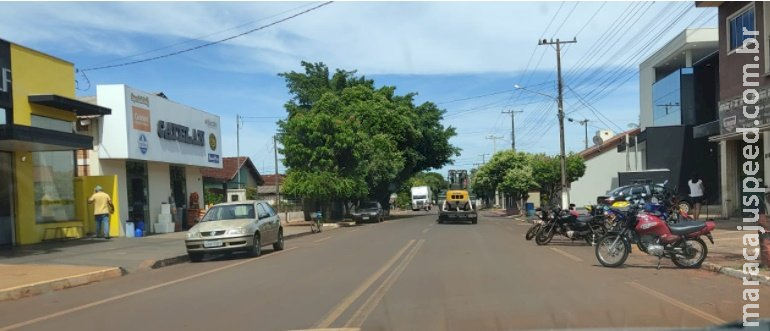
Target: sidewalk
[39,268]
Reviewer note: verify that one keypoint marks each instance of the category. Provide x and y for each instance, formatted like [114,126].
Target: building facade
[603,163]
[733,56]
[156,148]
[678,87]
[236,173]
[40,196]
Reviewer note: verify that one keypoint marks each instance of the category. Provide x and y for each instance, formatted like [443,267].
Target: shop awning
[735,135]
[21,138]
[63,103]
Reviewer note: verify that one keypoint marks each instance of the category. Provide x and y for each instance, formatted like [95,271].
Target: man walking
[102,209]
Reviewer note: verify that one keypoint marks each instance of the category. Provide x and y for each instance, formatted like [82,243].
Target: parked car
[235,226]
[644,192]
[370,211]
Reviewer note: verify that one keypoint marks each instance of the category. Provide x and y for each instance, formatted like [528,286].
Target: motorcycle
[681,241]
[569,224]
[543,216]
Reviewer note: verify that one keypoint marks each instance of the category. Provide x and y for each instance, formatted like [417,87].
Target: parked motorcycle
[567,223]
[681,241]
[543,215]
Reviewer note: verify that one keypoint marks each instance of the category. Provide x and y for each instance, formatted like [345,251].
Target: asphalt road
[405,274]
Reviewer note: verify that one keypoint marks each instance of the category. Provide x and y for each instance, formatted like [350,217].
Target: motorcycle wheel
[695,248]
[545,234]
[612,257]
[532,232]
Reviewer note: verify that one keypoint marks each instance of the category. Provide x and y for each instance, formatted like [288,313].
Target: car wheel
[278,246]
[256,247]
[195,257]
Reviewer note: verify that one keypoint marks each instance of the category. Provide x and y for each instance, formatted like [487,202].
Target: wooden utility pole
[560,100]
[494,142]
[513,126]
[277,179]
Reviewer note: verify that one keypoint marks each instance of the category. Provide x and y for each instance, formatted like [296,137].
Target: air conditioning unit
[602,136]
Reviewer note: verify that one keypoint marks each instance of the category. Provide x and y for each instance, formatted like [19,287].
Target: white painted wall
[601,176]
[159,182]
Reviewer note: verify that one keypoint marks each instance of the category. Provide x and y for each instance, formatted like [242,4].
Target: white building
[155,147]
[603,162]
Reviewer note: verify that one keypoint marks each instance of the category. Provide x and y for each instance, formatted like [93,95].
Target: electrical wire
[208,43]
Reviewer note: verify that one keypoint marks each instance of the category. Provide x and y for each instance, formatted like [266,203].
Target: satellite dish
[602,136]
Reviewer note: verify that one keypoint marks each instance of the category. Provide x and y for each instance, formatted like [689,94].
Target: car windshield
[229,212]
[616,190]
[368,205]
[418,197]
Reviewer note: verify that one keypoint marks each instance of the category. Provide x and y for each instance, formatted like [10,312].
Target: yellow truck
[457,205]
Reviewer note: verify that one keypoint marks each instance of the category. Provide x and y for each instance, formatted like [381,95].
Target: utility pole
[494,142]
[277,179]
[238,145]
[584,123]
[483,158]
[558,43]
[513,126]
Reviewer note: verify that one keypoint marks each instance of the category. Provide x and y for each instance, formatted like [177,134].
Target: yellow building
[40,197]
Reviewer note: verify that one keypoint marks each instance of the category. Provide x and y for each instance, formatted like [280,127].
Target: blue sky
[444,51]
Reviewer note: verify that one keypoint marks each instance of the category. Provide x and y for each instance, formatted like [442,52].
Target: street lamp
[563,155]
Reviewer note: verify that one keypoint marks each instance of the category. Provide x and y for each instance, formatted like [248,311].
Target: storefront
[156,148]
[732,144]
[40,197]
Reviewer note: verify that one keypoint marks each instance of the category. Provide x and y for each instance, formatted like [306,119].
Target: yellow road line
[129,294]
[568,255]
[335,313]
[695,311]
[363,312]
[322,239]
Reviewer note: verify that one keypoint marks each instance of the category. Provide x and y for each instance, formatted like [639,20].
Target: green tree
[344,139]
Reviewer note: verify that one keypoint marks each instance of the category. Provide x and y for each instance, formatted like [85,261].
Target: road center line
[322,239]
[132,293]
[353,230]
[363,312]
[425,230]
[695,311]
[568,255]
[335,313]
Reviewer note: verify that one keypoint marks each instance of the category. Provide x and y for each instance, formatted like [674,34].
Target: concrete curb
[735,273]
[59,284]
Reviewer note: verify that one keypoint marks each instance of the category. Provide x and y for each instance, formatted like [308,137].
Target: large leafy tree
[344,139]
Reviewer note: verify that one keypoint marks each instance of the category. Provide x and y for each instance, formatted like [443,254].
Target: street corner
[24,280]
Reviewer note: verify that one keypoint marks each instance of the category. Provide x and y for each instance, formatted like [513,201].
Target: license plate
[212,243]
[366,218]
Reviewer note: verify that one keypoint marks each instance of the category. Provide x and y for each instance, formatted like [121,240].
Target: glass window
[262,212]
[54,188]
[270,209]
[3,117]
[229,212]
[51,123]
[736,25]
[667,99]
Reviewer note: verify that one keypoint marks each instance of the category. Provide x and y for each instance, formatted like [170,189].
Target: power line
[205,36]
[208,43]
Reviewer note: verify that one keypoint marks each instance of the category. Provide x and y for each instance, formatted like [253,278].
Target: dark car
[370,211]
[644,192]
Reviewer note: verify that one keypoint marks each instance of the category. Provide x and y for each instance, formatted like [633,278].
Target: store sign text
[140,99]
[180,133]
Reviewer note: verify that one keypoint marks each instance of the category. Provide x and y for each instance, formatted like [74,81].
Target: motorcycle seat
[686,227]
[583,219]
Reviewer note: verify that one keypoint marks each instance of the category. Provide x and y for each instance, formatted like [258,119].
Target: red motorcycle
[681,241]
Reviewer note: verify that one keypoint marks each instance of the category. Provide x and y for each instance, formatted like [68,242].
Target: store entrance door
[6,199]
[138,194]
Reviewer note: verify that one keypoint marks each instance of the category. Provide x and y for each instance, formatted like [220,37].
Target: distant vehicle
[235,226]
[421,198]
[370,211]
[458,205]
[635,192]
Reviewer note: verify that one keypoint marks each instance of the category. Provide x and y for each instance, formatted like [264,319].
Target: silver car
[235,226]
